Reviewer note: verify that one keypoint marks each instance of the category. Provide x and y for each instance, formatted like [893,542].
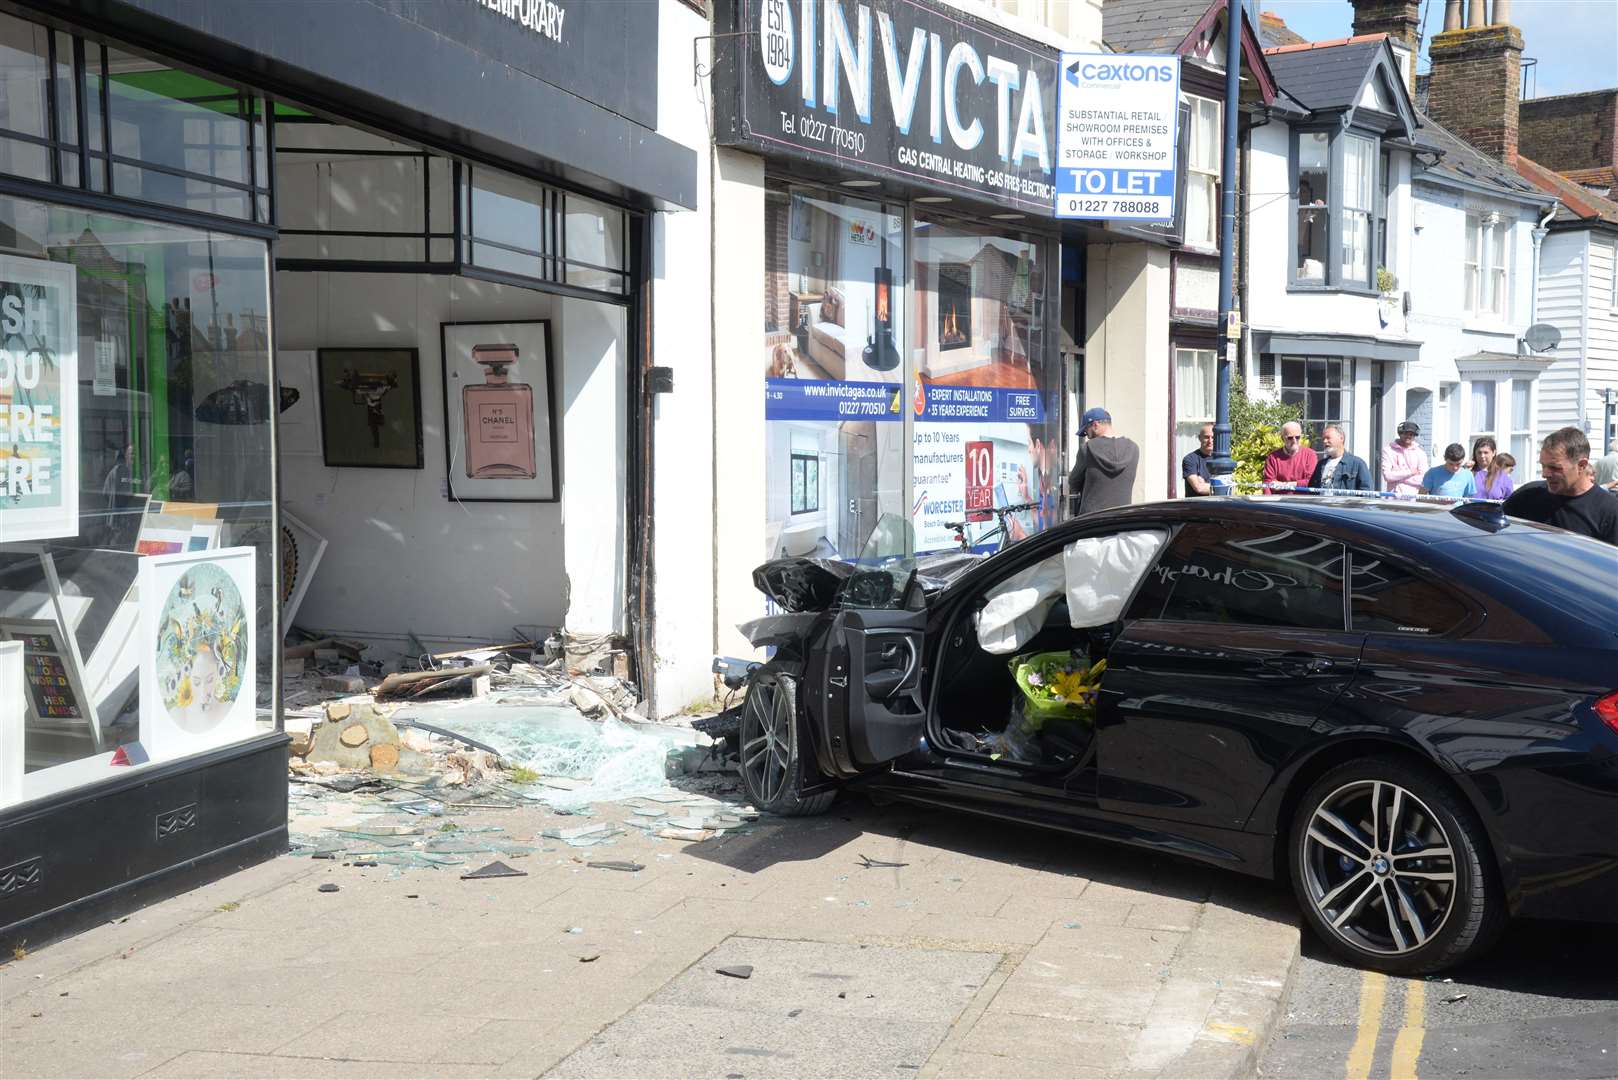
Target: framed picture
[198,629]
[499,409]
[39,457]
[54,691]
[370,408]
[301,549]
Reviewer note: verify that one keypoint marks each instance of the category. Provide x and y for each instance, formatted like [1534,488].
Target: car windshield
[887,566]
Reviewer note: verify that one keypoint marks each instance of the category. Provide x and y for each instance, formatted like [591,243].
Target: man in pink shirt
[1404,462]
[1293,464]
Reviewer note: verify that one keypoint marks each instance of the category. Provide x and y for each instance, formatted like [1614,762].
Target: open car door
[865,689]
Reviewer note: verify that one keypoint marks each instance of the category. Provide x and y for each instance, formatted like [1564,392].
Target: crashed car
[1410,711]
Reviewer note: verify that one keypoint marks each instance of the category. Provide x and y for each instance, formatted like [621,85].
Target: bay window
[1314,210]
[1486,279]
[1358,156]
[1202,181]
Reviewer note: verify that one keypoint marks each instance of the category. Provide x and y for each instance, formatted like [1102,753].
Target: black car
[1409,710]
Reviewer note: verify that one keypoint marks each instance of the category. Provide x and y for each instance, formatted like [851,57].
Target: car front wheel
[773,770]
[1393,869]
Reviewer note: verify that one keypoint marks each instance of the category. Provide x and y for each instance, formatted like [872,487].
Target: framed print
[370,408]
[499,409]
[198,631]
[39,399]
[301,549]
[54,695]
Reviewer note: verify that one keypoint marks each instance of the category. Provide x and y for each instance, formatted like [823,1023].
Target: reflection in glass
[168,319]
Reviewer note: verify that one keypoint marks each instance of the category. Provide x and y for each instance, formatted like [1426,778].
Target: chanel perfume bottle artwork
[499,417]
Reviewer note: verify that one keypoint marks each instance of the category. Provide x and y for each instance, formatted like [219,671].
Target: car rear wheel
[1393,869]
[772,766]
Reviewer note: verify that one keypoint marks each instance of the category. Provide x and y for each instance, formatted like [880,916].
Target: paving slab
[996,951]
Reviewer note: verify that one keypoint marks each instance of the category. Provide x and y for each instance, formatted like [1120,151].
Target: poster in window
[39,401]
[370,408]
[197,677]
[499,385]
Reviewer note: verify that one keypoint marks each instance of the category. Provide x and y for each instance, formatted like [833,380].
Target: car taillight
[1607,709]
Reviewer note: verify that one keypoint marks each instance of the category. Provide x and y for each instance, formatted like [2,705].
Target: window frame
[1212,174]
[1345,388]
[796,458]
[1491,230]
[1335,209]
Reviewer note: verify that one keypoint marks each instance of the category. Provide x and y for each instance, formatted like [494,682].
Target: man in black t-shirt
[1194,466]
[1568,498]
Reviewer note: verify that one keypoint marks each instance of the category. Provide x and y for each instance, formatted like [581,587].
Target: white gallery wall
[402,556]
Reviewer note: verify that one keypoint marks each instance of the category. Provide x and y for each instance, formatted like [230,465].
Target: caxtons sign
[895,86]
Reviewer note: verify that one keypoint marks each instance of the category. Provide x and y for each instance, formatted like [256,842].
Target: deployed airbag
[1097,574]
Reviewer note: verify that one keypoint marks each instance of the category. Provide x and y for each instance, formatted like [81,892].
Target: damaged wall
[401,555]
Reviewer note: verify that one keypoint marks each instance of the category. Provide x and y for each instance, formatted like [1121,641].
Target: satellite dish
[1542,337]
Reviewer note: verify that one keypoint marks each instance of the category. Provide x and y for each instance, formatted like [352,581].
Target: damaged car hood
[804,584]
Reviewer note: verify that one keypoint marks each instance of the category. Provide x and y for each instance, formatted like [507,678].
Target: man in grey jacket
[1104,470]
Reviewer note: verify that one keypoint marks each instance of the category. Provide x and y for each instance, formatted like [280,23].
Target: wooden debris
[417,684]
[384,757]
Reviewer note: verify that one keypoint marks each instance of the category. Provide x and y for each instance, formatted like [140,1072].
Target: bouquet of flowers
[1057,685]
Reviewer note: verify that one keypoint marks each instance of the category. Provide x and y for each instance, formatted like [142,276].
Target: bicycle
[998,535]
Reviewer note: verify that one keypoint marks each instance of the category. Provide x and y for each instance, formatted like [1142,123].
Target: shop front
[286,340]
[912,377]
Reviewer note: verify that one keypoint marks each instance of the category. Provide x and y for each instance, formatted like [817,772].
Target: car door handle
[1300,664]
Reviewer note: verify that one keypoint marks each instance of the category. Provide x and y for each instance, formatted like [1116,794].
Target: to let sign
[1117,127]
[979,479]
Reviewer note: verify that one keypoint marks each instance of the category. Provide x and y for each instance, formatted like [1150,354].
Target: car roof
[1410,521]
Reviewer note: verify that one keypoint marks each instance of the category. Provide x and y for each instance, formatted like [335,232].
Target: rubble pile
[389,765]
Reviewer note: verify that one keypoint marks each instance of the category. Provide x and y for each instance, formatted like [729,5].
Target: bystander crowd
[1568,497]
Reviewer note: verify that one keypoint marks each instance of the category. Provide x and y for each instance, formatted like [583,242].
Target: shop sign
[1117,129]
[543,17]
[896,87]
[39,401]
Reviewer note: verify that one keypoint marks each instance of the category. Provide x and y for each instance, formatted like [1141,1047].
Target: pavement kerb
[1245,1066]
[970,1016]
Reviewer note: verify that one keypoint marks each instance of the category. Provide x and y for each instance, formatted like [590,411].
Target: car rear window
[1387,598]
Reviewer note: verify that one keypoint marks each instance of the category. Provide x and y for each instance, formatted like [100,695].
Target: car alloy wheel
[766,741]
[774,773]
[1379,867]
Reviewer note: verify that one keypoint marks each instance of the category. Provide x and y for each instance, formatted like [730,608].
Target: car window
[1251,575]
[1392,599]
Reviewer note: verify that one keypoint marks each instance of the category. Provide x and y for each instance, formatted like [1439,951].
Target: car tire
[774,772]
[1393,869]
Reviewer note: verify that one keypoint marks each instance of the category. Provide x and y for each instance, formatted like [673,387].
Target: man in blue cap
[1104,470]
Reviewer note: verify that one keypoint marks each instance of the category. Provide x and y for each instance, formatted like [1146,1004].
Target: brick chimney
[1476,79]
[1401,21]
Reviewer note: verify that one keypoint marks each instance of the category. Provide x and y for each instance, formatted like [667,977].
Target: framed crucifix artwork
[370,408]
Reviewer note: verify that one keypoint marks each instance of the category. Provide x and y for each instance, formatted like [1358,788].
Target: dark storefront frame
[202,809]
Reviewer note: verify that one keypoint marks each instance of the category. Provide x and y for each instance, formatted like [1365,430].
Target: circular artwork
[200,648]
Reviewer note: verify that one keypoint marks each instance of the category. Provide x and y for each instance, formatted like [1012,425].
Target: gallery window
[805,483]
[1486,285]
[1202,181]
[1322,388]
[137,524]
[81,114]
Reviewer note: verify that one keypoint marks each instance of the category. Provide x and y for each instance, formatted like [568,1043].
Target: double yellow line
[1406,1045]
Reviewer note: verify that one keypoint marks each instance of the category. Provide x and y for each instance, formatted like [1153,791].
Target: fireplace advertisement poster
[39,431]
[908,89]
[877,388]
